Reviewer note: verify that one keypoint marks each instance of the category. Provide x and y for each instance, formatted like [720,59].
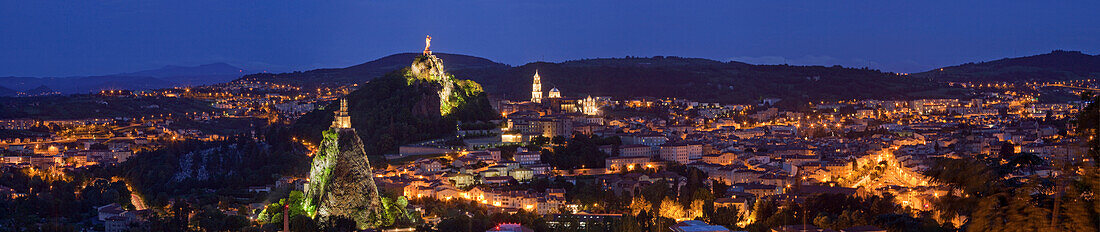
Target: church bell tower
[536,89]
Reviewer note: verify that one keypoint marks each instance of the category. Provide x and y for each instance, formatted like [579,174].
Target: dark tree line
[582,151]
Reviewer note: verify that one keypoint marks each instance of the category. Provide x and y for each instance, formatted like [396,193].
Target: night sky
[65,38]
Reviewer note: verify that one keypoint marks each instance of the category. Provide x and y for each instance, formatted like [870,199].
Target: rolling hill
[6,92]
[704,80]
[194,75]
[367,71]
[404,106]
[693,78]
[1054,66]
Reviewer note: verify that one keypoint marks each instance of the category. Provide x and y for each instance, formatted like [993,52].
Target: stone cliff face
[341,183]
[451,92]
[211,163]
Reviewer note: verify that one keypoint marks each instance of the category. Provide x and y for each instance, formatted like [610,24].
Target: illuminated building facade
[589,107]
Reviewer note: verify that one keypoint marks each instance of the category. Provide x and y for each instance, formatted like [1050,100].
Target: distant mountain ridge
[6,92]
[40,90]
[192,76]
[660,76]
[165,77]
[175,71]
[693,78]
[1054,66]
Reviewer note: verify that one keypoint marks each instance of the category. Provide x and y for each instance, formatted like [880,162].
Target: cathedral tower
[536,89]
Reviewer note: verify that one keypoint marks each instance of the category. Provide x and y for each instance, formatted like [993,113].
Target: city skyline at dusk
[556,116]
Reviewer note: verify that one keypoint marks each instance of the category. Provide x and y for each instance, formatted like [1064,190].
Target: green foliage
[469,87]
[320,171]
[395,213]
[294,206]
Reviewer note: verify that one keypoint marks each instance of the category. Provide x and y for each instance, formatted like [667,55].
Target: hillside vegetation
[1055,66]
[691,78]
[706,80]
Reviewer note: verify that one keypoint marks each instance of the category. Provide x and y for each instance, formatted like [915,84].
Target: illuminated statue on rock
[427,44]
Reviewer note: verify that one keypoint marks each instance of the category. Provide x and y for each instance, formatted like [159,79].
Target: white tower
[536,89]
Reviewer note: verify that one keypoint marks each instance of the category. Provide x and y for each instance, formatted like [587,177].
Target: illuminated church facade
[550,114]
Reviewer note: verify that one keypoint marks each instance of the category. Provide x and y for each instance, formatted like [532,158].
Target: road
[894,174]
[1074,87]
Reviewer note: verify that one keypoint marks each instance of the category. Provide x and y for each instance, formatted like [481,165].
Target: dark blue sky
[61,38]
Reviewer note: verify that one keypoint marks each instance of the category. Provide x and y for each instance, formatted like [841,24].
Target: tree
[582,151]
[661,224]
[558,140]
[989,215]
[273,213]
[726,216]
[696,209]
[1023,215]
[763,209]
[1026,161]
[719,188]
[1007,150]
[640,204]
[629,223]
[671,209]
[1076,213]
[540,140]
